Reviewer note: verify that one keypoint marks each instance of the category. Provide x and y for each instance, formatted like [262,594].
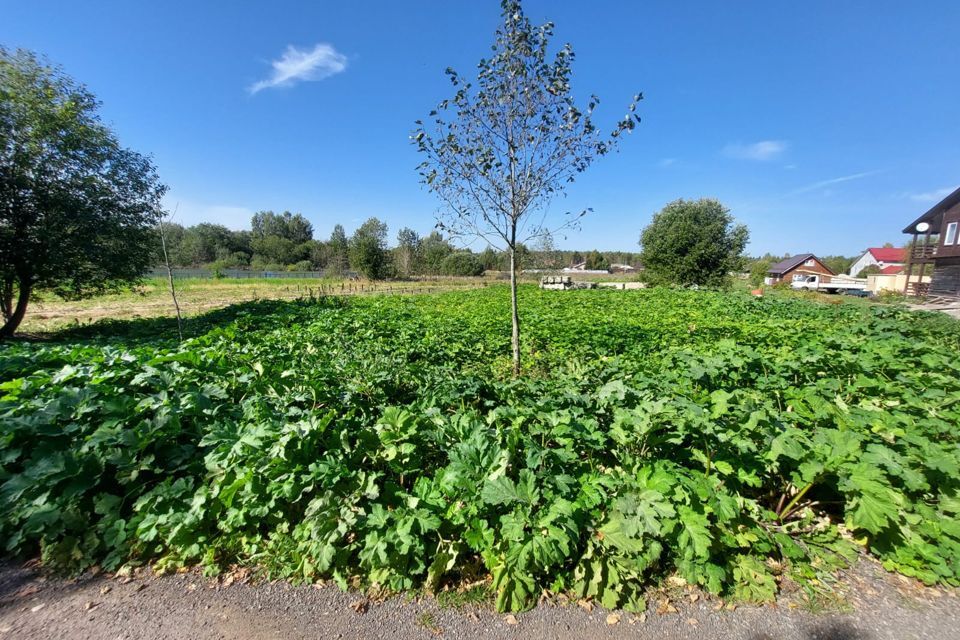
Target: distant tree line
[285,242]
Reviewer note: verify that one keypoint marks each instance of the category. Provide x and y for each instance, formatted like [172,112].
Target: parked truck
[826,284]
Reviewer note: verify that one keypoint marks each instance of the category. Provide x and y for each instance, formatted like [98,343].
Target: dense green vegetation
[77,209]
[738,442]
[693,242]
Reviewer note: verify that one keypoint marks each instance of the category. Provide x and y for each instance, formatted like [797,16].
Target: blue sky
[825,126]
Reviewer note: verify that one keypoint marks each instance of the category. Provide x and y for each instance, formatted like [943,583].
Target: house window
[808,263]
[799,277]
[951,235]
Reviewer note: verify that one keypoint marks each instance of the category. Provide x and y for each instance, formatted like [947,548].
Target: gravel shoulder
[876,606]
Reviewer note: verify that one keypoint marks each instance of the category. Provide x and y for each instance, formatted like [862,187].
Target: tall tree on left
[78,212]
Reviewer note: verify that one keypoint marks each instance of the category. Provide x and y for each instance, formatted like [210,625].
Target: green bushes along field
[735,441]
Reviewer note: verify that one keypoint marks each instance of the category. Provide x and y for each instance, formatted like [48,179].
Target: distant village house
[797,268]
[884,258]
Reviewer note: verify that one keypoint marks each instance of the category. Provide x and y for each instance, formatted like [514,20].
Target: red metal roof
[892,270]
[887,254]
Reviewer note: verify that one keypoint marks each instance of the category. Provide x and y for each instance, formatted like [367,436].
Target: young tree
[408,251]
[368,249]
[501,149]
[759,269]
[692,242]
[78,212]
[546,251]
[338,260]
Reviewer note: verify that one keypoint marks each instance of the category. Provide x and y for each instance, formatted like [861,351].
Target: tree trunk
[16,317]
[515,338]
[6,298]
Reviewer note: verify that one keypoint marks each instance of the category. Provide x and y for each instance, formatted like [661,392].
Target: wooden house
[936,242]
[797,268]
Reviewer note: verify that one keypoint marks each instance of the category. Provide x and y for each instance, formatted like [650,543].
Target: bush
[462,263]
[303,265]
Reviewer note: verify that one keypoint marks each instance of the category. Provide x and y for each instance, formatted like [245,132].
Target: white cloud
[932,196]
[762,150]
[302,65]
[831,181]
[666,162]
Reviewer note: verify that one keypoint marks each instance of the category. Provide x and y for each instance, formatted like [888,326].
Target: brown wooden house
[796,268]
[936,241]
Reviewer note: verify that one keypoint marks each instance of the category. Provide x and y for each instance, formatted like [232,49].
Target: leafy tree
[462,263]
[759,269]
[408,251]
[838,264]
[338,261]
[506,145]
[490,259]
[596,261]
[204,243]
[173,235]
[433,251]
[293,227]
[869,270]
[692,242]
[280,250]
[78,212]
[368,250]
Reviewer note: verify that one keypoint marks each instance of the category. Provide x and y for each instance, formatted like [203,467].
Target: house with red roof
[881,257]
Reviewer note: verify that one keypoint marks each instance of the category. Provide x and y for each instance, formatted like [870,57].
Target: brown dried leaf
[665,607]
[360,606]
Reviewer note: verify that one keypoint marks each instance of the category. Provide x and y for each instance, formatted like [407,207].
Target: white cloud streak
[832,181]
[932,196]
[762,150]
[303,65]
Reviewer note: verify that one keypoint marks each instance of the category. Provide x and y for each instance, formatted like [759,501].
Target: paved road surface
[188,606]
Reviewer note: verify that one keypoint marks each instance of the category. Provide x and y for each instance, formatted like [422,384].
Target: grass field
[741,445]
[152,298]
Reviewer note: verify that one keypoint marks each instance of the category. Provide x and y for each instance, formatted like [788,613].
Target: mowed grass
[152,299]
